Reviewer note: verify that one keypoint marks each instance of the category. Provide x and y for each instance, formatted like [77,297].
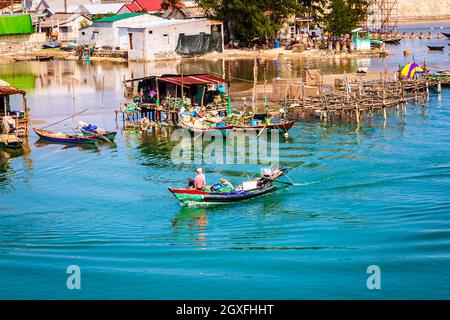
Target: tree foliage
[250,19]
[262,19]
[342,16]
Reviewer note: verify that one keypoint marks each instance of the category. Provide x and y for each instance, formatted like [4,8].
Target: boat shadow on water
[82,147]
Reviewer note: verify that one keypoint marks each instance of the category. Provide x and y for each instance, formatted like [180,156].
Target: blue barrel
[277,44]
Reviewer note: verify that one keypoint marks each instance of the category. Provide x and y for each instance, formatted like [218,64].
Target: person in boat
[191,183]
[225,182]
[200,180]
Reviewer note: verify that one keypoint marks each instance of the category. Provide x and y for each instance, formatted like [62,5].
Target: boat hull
[67,139]
[110,135]
[193,129]
[283,127]
[196,196]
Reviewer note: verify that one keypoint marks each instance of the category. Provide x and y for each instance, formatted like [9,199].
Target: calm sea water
[374,195]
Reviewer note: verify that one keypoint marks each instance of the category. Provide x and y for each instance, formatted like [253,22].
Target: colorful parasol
[411,69]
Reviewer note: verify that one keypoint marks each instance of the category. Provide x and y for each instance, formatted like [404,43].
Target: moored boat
[436,48]
[199,126]
[261,122]
[446,34]
[93,132]
[392,41]
[60,137]
[248,190]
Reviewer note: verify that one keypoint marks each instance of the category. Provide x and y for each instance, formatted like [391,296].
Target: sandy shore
[422,20]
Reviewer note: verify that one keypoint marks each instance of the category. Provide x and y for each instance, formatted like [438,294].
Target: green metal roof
[20,24]
[119,17]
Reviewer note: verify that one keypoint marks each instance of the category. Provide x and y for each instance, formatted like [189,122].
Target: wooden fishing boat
[392,41]
[283,127]
[446,34]
[204,128]
[436,48]
[248,190]
[60,137]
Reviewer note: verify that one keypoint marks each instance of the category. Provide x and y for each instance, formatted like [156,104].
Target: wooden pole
[255,79]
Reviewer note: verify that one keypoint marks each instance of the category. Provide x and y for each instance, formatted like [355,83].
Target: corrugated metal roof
[193,79]
[100,8]
[7,90]
[119,17]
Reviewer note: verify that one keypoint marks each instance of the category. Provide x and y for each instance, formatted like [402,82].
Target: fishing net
[199,44]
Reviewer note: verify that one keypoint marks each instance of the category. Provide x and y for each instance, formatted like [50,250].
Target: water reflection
[194,220]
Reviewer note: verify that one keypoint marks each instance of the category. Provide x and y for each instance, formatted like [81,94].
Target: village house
[163,38]
[184,13]
[150,6]
[101,8]
[104,33]
[66,25]
[145,36]
[50,7]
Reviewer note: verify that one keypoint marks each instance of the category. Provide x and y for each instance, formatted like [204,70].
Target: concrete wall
[19,38]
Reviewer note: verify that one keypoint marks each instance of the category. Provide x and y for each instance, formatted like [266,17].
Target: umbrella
[411,69]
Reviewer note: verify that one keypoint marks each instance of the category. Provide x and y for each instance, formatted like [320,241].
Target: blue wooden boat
[58,137]
[51,45]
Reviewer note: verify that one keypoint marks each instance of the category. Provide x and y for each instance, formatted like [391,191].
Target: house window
[150,32]
[83,33]
[130,38]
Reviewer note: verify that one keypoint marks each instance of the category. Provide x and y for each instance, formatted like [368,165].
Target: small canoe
[107,136]
[283,127]
[204,128]
[436,48]
[51,45]
[60,137]
[44,58]
[241,193]
[392,41]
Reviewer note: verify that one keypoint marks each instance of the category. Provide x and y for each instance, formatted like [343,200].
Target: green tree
[250,19]
[342,16]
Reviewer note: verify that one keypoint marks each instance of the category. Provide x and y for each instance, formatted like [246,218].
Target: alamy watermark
[234,147]
[374,280]
[74,280]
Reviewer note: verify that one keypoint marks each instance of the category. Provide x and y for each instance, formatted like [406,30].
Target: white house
[160,37]
[67,25]
[105,32]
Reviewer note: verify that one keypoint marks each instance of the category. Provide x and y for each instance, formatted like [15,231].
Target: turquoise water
[373,195]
